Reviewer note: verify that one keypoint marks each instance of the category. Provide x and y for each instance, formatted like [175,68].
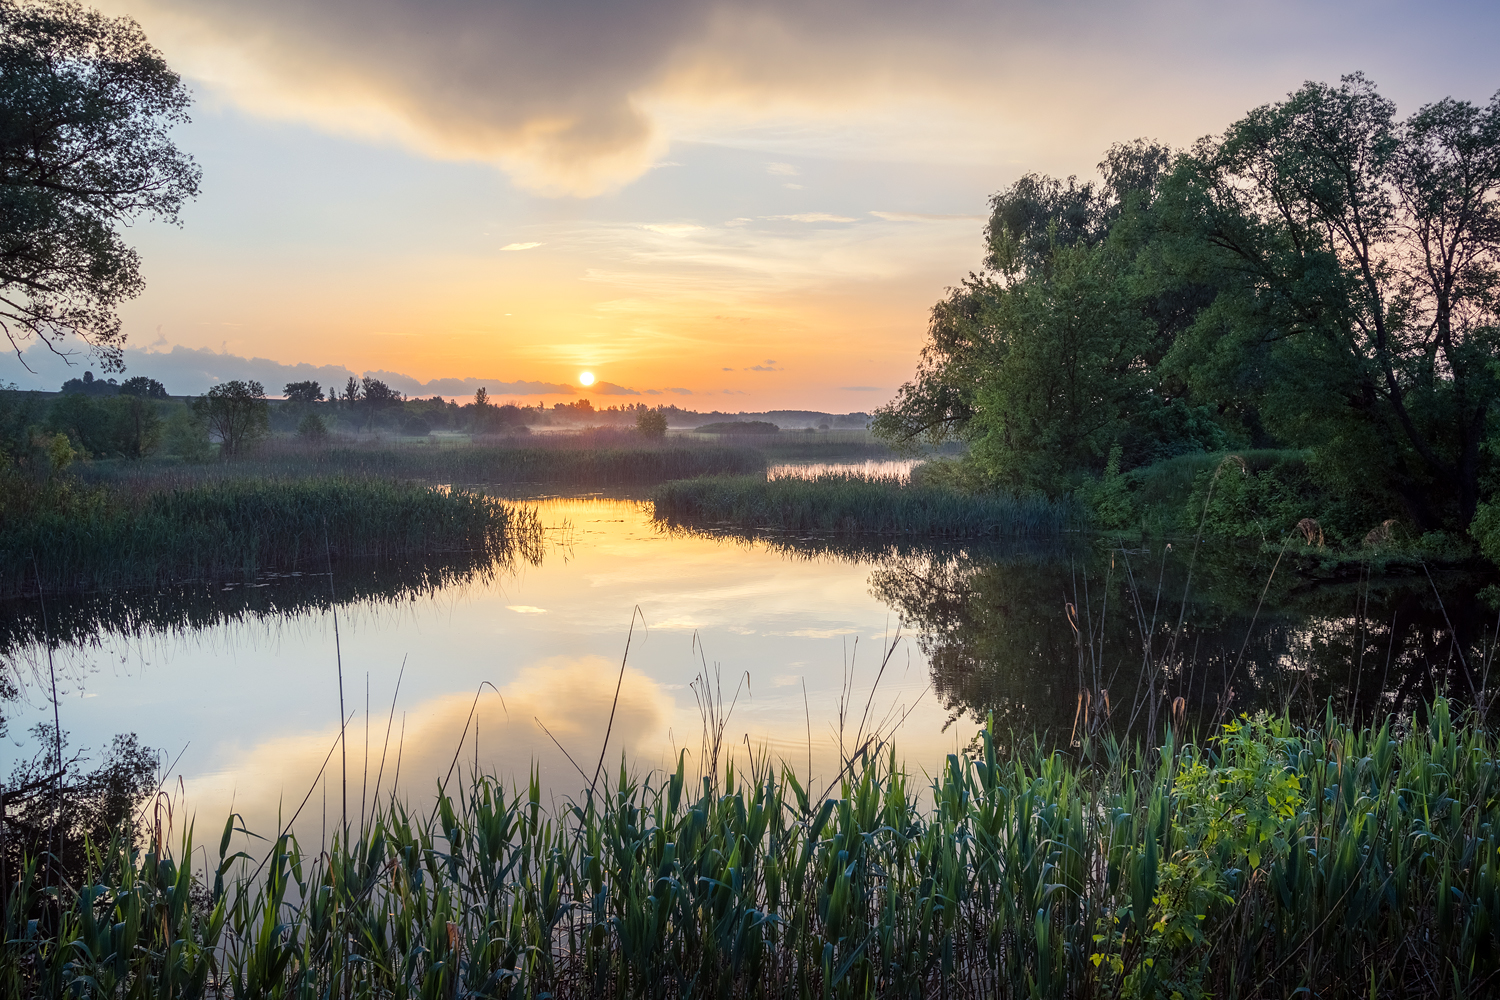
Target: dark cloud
[610,389]
[189,371]
[568,94]
[467,386]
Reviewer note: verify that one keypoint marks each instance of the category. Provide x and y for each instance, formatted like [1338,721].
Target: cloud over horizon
[579,98]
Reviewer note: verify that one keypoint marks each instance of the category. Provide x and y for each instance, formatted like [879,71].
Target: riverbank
[66,536]
[1268,860]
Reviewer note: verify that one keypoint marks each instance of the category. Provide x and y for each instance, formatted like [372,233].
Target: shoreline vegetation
[62,535]
[1267,860]
[840,503]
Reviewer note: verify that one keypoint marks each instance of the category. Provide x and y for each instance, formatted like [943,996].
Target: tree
[1358,260]
[87,385]
[376,397]
[140,385]
[86,112]
[236,412]
[651,423]
[304,392]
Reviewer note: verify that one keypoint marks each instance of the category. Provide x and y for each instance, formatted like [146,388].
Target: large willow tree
[1322,276]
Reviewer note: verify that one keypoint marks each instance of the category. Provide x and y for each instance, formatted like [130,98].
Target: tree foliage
[1323,276]
[236,413]
[86,112]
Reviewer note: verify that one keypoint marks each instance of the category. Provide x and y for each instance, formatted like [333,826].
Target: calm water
[243,683]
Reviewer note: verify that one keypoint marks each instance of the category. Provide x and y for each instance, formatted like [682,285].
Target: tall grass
[1269,861]
[64,535]
[851,504]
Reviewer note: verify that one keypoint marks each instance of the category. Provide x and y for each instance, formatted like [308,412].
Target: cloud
[732,223]
[727,369]
[519,246]
[925,217]
[673,228]
[680,392]
[762,368]
[653,392]
[782,169]
[811,217]
[466,386]
[610,389]
[579,98]
[190,371]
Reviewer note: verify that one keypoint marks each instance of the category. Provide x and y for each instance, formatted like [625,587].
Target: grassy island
[854,504]
[67,536]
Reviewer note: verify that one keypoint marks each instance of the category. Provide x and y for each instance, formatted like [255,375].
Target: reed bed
[67,536]
[1268,861]
[844,503]
[579,460]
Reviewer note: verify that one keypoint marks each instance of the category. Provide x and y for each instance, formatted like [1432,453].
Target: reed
[853,504]
[595,459]
[1268,861]
[67,536]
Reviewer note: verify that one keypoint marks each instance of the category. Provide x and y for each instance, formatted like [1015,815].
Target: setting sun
[587,378]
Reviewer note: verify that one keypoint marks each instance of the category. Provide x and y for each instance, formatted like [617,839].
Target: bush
[186,436]
[311,427]
[651,423]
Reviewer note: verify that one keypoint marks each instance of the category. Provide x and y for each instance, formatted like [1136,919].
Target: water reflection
[1128,640]
[897,469]
[247,679]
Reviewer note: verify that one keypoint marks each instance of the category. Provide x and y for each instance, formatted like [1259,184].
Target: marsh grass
[1267,861]
[589,459]
[841,503]
[67,536]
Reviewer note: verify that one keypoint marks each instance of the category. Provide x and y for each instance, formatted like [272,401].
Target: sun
[587,378]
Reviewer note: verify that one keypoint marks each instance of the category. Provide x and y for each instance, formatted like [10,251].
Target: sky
[733,206]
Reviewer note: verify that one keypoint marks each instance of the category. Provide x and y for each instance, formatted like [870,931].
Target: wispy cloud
[782,170]
[925,217]
[672,228]
[519,246]
[811,217]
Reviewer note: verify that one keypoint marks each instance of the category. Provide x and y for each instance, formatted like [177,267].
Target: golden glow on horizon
[587,378]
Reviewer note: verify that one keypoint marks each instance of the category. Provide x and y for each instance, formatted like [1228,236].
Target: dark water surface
[811,641]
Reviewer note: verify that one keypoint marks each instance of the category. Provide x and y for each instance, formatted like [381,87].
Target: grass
[66,536]
[852,504]
[599,458]
[1267,861]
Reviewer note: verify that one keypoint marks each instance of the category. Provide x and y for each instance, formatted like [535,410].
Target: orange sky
[667,193]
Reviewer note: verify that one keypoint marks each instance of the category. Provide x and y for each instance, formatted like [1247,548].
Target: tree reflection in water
[1118,639]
